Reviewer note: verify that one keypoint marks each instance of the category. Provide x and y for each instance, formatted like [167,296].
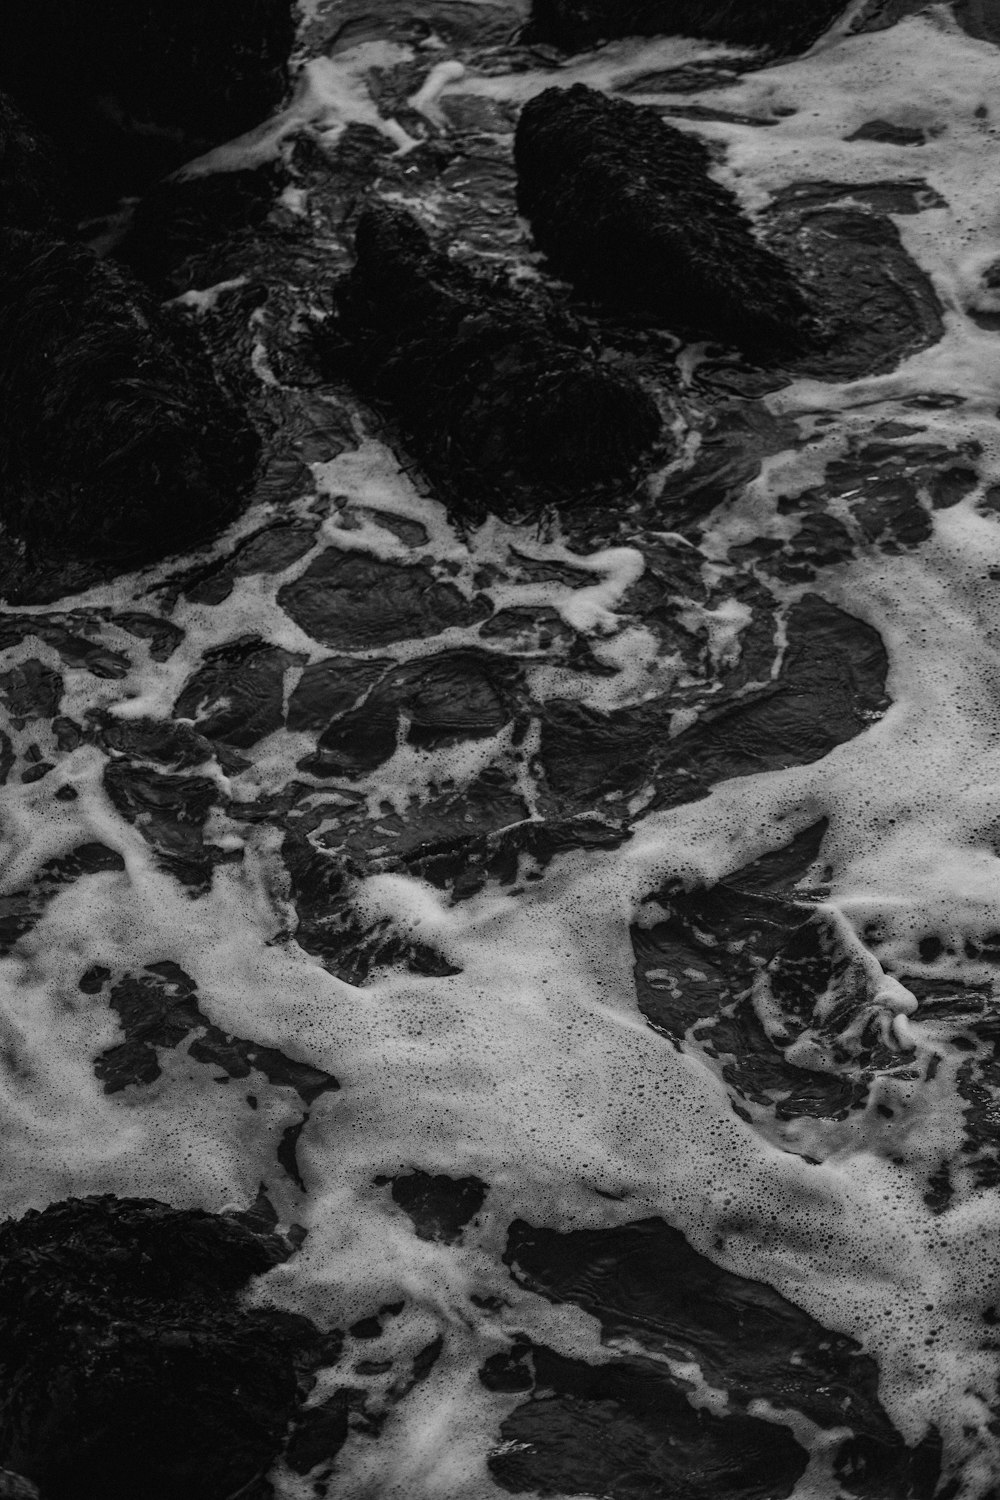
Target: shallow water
[471,839]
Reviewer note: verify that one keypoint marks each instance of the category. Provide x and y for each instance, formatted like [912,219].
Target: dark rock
[624,207]
[184,217]
[128,1365]
[116,441]
[158,1010]
[439,1206]
[170,812]
[626,1428]
[15,1487]
[129,91]
[782,28]
[502,401]
[31,186]
[456,695]
[892,135]
[645,1283]
[21,910]
[237,695]
[354,602]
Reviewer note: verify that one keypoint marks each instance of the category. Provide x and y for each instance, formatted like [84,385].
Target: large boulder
[503,401]
[128,1365]
[782,26]
[130,89]
[625,208]
[115,439]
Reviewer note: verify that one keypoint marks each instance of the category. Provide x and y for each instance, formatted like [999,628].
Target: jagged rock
[115,440]
[624,207]
[503,402]
[131,89]
[127,1365]
[775,24]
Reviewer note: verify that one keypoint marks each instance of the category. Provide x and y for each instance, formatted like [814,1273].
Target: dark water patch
[434,701]
[518,853]
[76,637]
[129,1364]
[678,248]
[501,399]
[889,134]
[353,602]
[439,1207]
[21,910]
[578,24]
[644,1282]
[238,693]
[29,691]
[329,688]
[626,1429]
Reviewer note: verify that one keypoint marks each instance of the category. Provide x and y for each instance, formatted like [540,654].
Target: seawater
[531,1067]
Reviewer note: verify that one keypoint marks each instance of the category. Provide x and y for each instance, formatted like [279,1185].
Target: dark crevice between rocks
[503,400]
[645,1283]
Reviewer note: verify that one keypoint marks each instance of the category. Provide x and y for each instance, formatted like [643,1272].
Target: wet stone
[170,811]
[238,694]
[645,1283]
[626,1428]
[353,602]
[442,699]
[129,1365]
[31,690]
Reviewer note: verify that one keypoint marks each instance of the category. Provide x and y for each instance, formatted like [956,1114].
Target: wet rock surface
[503,402]
[136,1366]
[622,205]
[576,24]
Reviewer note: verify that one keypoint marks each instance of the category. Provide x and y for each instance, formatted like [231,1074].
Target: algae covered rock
[127,1365]
[504,401]
[782,26]
[115,439]
[624,207]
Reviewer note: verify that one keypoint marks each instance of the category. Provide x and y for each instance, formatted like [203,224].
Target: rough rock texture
[131,89]
[624,207]
[502,402]
[778,25]
[127,1365]
[115,440]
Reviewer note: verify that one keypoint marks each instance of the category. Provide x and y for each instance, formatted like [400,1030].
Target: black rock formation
[502,401]
[127,1365]
[31,184]
[624,207]
[131,89]
[778,25]
[115,439]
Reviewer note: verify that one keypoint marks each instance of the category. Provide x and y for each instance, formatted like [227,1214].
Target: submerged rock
[115,440]
[504,402]
[127,1364]
[775,24]
[130,91]
[624,207]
